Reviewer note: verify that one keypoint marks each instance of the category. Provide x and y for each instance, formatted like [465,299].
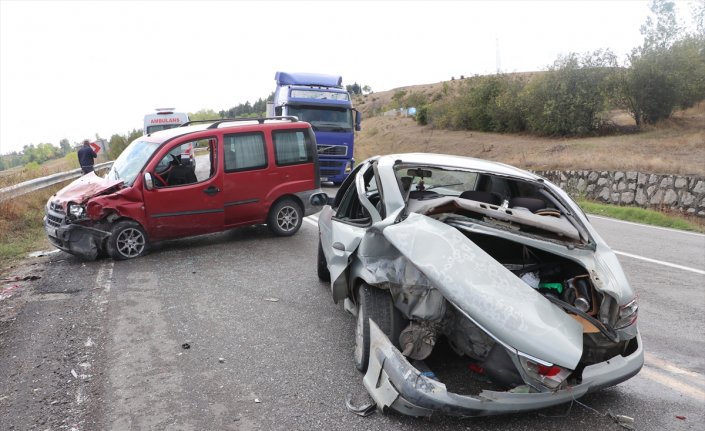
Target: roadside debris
[43,253]
[680,417]
[186,346]
[8,291]
[363,410]
[626,422]
[257,400]
[221,360]
[272,299]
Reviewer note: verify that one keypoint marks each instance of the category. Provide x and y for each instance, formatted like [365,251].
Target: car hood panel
[485,290]
[86,187]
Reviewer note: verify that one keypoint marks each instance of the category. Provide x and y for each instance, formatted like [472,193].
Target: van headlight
[77,211]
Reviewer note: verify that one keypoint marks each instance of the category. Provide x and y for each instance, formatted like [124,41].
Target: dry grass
[19,174]
[21,225]
[676,146]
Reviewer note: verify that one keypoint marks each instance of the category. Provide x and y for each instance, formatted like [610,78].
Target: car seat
[181,174]
[531,204]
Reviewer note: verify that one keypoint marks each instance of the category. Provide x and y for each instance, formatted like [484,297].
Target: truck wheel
[375,304]
[322,266]
[127,241]
[285,218]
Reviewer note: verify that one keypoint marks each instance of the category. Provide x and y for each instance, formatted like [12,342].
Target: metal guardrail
[40,183]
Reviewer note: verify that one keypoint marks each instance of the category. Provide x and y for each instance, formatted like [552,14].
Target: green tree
[354,88]
[65,146]
[569,98]
[116,145]
[661,30]
[667,72]
[699,18]
[204,114]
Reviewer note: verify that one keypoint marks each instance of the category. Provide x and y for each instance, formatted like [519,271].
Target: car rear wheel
[285,218]
[128,240]
[375,304]
[322,266]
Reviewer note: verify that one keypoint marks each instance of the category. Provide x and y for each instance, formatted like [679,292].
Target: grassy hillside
[675,146]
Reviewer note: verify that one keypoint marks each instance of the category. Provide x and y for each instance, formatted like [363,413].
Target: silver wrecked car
[479,288]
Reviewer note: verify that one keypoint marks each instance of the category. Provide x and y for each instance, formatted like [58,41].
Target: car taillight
[548,371]
[547,374]
[628,314]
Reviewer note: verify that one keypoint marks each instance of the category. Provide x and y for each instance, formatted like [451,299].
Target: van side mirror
[148,181]
[319,199]
[358,120]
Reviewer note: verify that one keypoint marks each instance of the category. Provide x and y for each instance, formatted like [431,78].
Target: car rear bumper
[395,384]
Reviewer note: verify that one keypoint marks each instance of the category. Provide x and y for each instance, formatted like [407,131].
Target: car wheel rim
[287,219]
[130,242]
[359,337]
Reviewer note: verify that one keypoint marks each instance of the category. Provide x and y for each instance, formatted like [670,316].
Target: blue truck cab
[322,101]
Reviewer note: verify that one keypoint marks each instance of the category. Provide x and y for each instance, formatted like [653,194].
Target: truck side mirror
[358,120]
[148,181]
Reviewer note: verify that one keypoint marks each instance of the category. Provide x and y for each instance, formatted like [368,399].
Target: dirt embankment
[675,146]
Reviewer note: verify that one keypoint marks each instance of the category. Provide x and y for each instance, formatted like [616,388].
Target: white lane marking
[672,383]
[105,276]
[655,361]
[660,262]
[668,229]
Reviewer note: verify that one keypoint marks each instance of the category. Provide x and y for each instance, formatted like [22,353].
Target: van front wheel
[127,241]
[285,218]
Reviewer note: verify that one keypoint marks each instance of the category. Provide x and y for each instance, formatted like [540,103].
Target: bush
[569,98]
[422,115]
[660,81]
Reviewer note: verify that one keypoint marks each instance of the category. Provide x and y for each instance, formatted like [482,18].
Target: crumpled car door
[345,237]
[489,294]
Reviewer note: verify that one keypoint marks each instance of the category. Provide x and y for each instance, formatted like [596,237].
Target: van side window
[292,147]
[244,151]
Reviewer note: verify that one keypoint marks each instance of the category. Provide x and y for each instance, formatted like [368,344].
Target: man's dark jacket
[85,158]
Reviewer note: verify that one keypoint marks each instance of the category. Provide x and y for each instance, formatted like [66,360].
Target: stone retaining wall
[653,191]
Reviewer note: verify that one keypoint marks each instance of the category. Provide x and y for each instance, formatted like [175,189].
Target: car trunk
[476,299]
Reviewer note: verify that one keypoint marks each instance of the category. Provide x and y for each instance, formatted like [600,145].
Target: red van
[249,171]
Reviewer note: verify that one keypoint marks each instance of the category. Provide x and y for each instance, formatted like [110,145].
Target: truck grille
[333,150]
[331,168]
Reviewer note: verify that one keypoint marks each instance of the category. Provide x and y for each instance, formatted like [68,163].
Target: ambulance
[167,118]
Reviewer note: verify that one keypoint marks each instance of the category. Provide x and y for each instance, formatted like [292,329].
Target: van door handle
[211,190]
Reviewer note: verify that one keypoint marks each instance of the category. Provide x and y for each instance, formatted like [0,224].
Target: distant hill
[675,146]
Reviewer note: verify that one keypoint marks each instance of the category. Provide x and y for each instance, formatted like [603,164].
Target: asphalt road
[101,345]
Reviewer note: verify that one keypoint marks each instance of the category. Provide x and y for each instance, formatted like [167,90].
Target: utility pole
[499,69]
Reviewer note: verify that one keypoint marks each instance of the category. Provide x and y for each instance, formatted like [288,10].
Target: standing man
[86,157]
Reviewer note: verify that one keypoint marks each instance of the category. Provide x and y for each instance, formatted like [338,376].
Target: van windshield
[131,161]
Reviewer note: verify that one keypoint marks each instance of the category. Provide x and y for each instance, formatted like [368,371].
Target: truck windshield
[324,119]
[130,162]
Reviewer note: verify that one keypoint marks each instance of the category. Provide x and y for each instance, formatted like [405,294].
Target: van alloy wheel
[127,241]
[285,217]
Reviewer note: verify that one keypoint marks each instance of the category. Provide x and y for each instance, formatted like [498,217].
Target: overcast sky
[71,69]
